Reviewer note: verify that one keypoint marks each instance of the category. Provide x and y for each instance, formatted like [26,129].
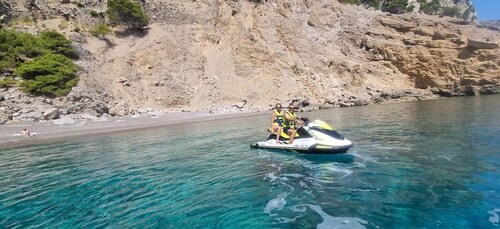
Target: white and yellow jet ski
[313,138]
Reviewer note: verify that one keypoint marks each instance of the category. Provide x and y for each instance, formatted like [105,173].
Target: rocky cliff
[231,55]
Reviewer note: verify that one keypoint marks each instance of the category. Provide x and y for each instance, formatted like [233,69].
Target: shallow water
[428,164]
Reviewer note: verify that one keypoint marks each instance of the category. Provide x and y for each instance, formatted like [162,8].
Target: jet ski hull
[313,149]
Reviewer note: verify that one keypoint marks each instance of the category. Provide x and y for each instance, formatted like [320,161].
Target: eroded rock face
[212,55]
[437,53]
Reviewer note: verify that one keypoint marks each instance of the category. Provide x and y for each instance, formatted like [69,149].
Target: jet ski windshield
[331,133]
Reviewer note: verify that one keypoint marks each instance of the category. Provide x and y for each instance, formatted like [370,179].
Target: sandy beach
[10,134]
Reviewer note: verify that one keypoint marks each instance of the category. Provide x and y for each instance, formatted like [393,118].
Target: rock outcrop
[437,53]
[213,55]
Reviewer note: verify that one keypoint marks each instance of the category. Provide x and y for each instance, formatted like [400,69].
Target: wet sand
[10,134]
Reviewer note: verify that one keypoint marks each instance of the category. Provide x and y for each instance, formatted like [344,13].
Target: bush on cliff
[100,30]
[43,62]
[395,6]
[7,82]
[55,42]
[433,7]
[16,47]
[126,12]
[50,74]
[354,2]
[375,4]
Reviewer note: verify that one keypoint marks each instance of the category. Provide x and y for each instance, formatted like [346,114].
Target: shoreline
[48,131]
[10,134]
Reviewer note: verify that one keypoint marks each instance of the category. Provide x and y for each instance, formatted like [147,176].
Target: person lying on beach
[25,132]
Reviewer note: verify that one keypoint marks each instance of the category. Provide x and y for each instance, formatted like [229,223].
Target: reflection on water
[431,164]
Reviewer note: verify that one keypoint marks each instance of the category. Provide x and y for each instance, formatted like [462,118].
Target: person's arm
[272,119]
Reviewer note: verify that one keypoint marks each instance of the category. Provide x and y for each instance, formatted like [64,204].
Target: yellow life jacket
[279,117]
[289,123]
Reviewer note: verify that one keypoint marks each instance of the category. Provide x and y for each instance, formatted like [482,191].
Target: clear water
[430,164]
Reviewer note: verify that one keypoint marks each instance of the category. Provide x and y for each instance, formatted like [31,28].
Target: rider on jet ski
[291,122]
[277,121]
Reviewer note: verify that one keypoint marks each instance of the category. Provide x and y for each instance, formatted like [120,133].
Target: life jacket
[279,117]
[289,123]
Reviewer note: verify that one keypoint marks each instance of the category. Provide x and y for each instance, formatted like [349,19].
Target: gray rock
[119,110]
[51,113]
[490,89]
[346,104]
[442,92]
[326,106]
[239,105]
[89,117]
[477,44]
[64,121]
[5,117]
[122,80]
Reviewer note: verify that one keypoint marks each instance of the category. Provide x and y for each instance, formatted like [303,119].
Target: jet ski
[312,138]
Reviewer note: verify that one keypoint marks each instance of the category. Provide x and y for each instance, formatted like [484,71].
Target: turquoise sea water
[429,164]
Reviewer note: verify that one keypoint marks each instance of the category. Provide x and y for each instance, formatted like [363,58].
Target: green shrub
[16,47]
[432,8]
[410,8]
[100,29]
[94,13]
[57,43]
[50,74]
[354,2]
[126,12]
[451,11]
[42,61]
[467,13]
[396,6]
[375,4]
[7,82]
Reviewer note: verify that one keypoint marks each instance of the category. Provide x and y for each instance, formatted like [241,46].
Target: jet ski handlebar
[305,120]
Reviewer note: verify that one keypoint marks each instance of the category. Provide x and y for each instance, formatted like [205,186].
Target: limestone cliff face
[438,53]
[222,55]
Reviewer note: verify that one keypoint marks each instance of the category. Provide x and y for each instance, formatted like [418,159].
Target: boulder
[239,105]
[490,89]
[119,110]
[478,44]
[51,113]
[5,117]
[64,121]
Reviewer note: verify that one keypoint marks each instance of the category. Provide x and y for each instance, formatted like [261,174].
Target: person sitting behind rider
[291,122]
[277,121]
